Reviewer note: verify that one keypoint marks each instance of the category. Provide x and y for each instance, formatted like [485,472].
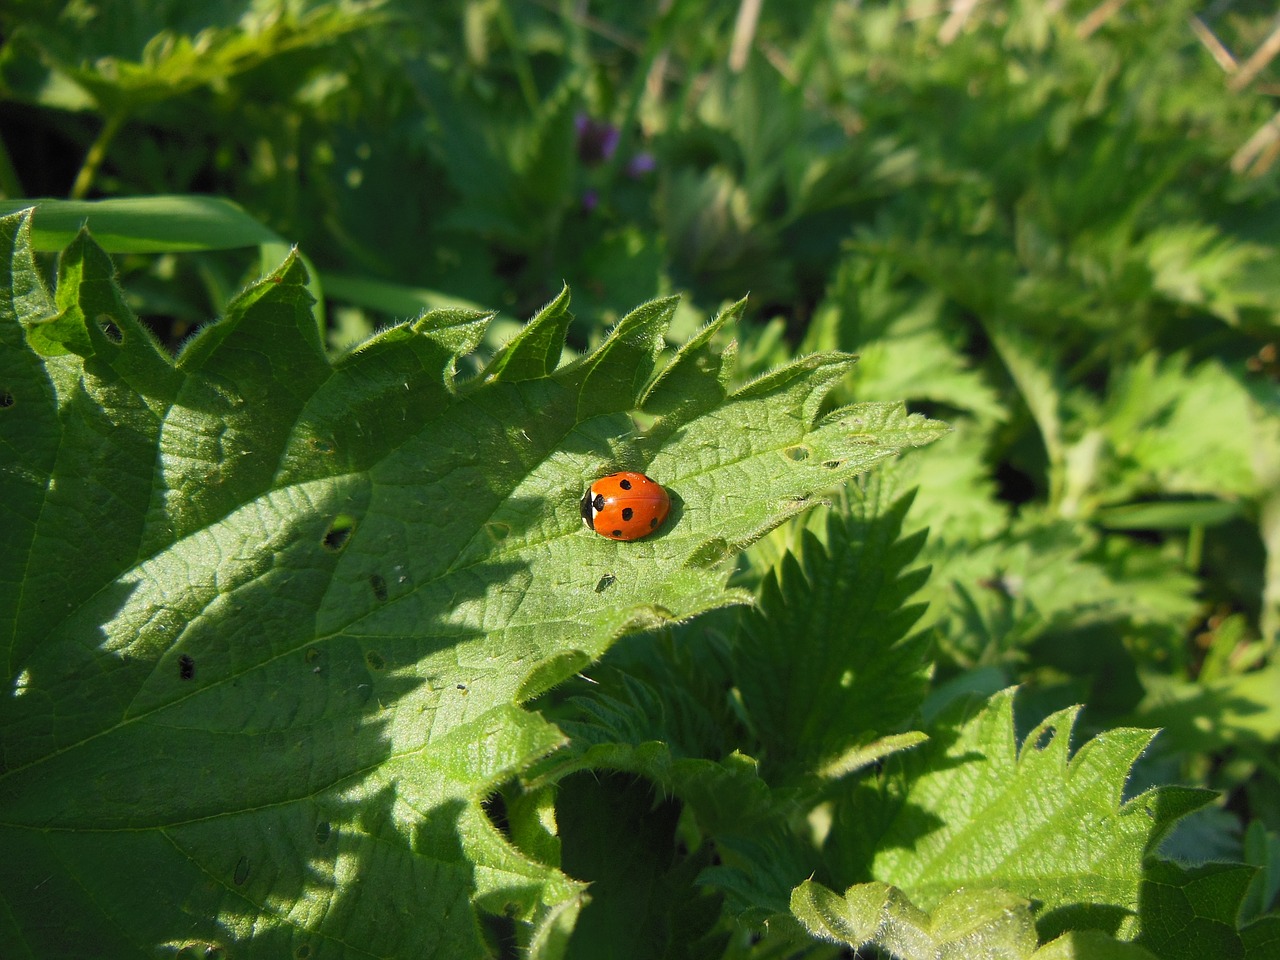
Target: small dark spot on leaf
[374,660]
[463,688]
[607,581]
[833,464]
[497,530]
[110,330]
[6,399]
[379,585]
[1045,738]
[186,667]
[797,454]
[339,532]
[321,445]
[322,832]
[242,872]
[303,952]
[312,655]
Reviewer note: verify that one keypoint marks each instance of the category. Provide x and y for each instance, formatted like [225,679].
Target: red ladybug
[625,506]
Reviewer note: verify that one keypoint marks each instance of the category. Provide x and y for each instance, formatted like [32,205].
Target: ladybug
[625,506]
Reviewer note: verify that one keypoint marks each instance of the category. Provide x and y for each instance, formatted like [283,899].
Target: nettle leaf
[965,925]
[269,618]
[1162,421]
[972,808]
[825,665]
[1199,909]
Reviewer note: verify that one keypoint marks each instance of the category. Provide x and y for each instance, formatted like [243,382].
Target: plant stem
[97,152]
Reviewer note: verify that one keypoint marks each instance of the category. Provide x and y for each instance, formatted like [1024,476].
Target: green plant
[1027,219]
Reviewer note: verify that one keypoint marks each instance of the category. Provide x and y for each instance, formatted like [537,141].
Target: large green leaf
[269,619]
[973,808]
[825,665]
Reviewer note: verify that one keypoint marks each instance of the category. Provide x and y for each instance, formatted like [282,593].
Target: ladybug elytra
[625,506]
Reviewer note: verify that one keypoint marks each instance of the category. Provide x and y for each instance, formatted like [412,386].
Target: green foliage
[308,651]
[989,923]
[273,602]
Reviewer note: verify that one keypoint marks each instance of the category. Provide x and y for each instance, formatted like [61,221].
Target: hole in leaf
[379,585]
[605,582]
[375,661]
[497,531]
[323,829]
[242,872]
[796,454]
[339,532]
[6,399]
[186,667]
[109,329]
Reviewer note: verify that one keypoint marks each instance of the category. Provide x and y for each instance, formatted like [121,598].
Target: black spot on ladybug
[627,513]
[617,533]
[598,502]
[653,522]
[625,484]
[186,667]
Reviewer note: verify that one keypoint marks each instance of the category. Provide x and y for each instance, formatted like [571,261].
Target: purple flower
[642,163]
[597,139]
